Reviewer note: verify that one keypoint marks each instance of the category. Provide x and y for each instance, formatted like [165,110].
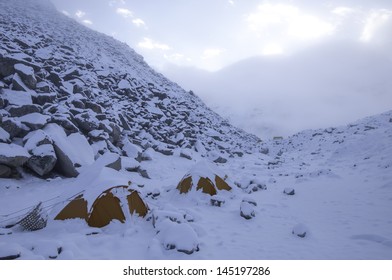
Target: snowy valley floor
[343,200]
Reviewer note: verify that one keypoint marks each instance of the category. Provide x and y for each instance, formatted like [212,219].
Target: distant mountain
[56,71]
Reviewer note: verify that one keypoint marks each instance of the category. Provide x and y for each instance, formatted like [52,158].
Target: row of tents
[121,202]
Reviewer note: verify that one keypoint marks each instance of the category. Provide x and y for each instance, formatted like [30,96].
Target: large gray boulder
[13,155]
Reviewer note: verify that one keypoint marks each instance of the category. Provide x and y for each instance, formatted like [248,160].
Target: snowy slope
[319,194]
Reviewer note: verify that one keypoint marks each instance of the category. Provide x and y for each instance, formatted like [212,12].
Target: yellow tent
[204,179]
[108,206]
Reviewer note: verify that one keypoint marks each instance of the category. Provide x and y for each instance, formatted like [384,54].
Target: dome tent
[204,178]
[112,204]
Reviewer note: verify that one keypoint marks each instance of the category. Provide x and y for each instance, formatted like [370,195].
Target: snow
[124,84]
[4,135]
[34,138]
[17,97]
[13,150]
[34,118]
[27,70]
[43,150]
[75,146]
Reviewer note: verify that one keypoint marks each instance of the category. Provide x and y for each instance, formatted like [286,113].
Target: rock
[7,63]
[55,79]
[217,201]
[178,236]
[115,133]
[146,155]
[13,155]
[43,87]
[299,230]
[65,123]
[18,111]
[34,120]
[14,128]
[9,251]
[26,73]
[289,191]
[44,98]
[18,84]
[16,97]
[4,136]
[36,138]
[254,187]
[94,107]
[247,209]
[185,154]
[86,122]
[43,160]
[220,160]
[5,171]
[116,165]
[72,151]
[143,173]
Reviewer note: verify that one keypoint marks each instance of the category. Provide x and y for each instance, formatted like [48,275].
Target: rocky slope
[65,88]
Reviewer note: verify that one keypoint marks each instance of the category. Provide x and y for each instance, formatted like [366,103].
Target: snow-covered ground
[343,199]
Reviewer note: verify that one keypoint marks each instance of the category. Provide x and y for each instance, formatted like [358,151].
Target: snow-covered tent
[204,178]
[115,203]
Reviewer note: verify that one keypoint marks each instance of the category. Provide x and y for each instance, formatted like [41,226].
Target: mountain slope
[90,83]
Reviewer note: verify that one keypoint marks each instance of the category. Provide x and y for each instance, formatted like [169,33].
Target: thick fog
[326,85]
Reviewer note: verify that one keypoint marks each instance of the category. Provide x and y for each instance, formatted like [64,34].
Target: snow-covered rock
[10,251]
[4,136]
[180,237]
[289,191]
[43,159]
[72,151]
[300,230]
[13,155]
[34,120]
[26,73]
[247,209]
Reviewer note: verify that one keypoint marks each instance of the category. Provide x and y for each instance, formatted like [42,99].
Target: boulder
[34,120]
[18,84]
[18,111]
[4,136]
[72,151]
[5,171]
[13,155]
[44,98]
[26,73]
[14,128]
[36,138]
[43,160]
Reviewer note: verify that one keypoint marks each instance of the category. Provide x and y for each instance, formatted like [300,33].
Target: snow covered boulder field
[102,157]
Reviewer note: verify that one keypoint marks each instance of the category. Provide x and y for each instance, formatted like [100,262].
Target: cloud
[150,44]
[87,21]
[65,13]
[211,53]
[80,14]
[231,2]
[375,21]
[288,20]
[272,49]
[124,12]
[116,2]
[342,11]
[138,22]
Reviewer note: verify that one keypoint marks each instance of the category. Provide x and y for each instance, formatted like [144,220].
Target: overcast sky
[188,39]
